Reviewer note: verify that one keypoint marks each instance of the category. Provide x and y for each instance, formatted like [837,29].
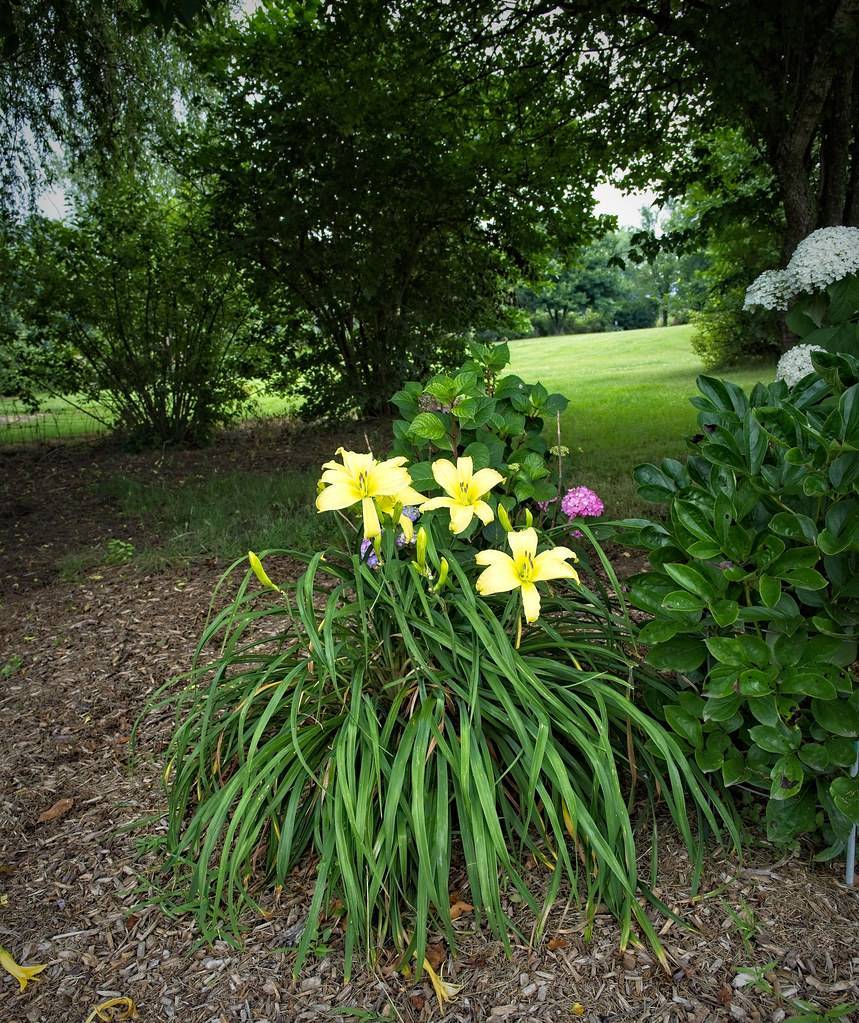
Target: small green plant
[745,921]
[119,552]
[754,593]
[11,666]
[807,1012]
[497,421]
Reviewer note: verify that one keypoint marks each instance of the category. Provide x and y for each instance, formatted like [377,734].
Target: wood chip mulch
[91,654]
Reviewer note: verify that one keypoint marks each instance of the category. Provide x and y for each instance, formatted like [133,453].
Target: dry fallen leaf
[556,943]
[435,955]
[114,1009]
[59,809]
[458,908]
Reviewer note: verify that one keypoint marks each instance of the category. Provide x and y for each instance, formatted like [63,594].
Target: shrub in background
[724,335]
[754,593]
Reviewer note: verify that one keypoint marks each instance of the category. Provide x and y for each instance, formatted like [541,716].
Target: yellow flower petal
[484,480]
[387,479]
[549,565]
[499,577]
[372,526]
[530,602]
[410,496]
[435,502]
[356,461]
[491,557]
[460,516]
[335,474]
[445,475]
[23,974]
[338,495]
[522,542]
[484,512]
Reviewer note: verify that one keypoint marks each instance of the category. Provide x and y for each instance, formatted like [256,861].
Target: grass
[57,419]
[629,401]
[226,515]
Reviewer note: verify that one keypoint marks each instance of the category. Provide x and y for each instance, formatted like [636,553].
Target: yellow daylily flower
[23,974]
[361,478]
[524,570]
[464,488]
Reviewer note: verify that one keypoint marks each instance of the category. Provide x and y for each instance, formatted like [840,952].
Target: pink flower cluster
[581,503]
[577,503]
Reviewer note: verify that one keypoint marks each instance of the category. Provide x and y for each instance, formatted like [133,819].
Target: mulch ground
[91,654]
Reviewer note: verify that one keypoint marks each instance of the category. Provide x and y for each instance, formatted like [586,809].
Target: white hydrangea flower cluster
[796,364]
[824,257]
[771,291]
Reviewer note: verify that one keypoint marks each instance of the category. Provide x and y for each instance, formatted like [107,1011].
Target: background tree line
[333,197]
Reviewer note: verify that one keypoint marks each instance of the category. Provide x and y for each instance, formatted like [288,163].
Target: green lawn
[55,418]
[628,394]
[58,418]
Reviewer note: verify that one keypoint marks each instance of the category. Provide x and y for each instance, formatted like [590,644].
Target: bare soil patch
[91,655]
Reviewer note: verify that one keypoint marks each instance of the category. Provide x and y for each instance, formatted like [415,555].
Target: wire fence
[20,426]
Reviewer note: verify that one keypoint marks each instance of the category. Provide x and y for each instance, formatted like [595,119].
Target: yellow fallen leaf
[105,1011]
[444,992]
[23,974]
[577,1009]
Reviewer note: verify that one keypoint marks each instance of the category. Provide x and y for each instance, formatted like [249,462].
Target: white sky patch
[626,206]
[52,203]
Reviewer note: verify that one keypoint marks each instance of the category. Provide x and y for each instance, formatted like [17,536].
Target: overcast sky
[626,207]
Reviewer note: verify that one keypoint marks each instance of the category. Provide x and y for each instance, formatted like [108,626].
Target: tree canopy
[389,168]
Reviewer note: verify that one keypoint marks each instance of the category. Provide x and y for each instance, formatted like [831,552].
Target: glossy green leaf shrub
[753,592]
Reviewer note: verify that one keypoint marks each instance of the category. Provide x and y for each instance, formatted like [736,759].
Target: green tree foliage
[602,288]
[85,79]
[779,72]
[375,165]
[134,307]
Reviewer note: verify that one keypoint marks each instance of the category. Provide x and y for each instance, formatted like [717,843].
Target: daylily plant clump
[441,701]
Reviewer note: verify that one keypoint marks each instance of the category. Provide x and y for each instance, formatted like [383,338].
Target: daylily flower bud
[529,518]
[421,549]
[442,576]
[503,518]
[260,572]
